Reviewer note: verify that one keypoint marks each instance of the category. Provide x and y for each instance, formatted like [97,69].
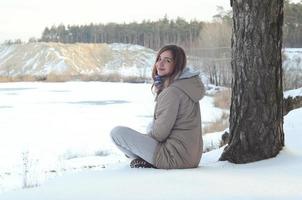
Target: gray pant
[134,144]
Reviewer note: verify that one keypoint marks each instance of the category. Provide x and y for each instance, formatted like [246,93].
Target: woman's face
[165,63]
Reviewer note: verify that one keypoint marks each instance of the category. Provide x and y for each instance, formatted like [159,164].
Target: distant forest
[154,34]
[149,34]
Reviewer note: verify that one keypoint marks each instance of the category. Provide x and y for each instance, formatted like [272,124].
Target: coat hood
[189,82]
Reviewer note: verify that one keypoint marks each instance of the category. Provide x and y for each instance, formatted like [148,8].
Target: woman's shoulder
[171,92]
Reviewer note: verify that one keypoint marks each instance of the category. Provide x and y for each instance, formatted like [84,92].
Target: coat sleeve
[165,114]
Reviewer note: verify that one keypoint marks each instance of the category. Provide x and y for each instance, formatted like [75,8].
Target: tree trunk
[256,116]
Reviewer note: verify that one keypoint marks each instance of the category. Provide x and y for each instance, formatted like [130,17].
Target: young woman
[174,140]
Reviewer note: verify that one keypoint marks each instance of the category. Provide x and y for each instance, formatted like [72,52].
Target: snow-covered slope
[293,58]
[42,59]
[293,93]
[272,179]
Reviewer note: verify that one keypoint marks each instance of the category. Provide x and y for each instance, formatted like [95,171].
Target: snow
[120,46]
[61,127]
[54,58]
[130,61]
[210,113]
[55,124]
[293,93]
[293,58]
[4,51]
[277,178]
[212,141]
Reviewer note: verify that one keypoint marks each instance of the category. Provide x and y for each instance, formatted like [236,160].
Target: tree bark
[256,116]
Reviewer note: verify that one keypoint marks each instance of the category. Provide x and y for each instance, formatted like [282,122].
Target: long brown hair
[179,58]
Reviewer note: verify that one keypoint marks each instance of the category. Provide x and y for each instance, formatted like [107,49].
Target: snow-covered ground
[293,93]
[51,129]
[271,179]
[293,58]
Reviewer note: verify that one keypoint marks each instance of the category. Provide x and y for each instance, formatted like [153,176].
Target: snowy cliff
[42,59]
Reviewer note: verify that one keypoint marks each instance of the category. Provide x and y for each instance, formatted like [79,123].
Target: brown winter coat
[177,124]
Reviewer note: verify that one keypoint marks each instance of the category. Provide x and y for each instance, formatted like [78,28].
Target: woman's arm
[165,114]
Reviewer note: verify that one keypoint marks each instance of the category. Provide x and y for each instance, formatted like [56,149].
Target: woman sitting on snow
[175,139]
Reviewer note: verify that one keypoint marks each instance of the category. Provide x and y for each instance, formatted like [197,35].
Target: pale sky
[28,18]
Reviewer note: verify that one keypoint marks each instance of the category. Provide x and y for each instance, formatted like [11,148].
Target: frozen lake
[48,124]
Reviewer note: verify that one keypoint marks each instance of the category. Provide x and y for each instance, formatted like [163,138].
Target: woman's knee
[116,131]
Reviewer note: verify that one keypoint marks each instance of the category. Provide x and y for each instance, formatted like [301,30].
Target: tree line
[151,34]
[154,34]
[292,27]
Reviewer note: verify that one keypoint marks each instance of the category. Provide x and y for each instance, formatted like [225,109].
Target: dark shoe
[140,163]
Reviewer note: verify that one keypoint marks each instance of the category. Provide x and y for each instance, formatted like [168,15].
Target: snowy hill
[293,93]
[103,62]
[272,179]
[292,68]
[43,59]
[293,58]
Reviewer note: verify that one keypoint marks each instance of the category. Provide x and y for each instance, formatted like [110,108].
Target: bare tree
[256,116]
